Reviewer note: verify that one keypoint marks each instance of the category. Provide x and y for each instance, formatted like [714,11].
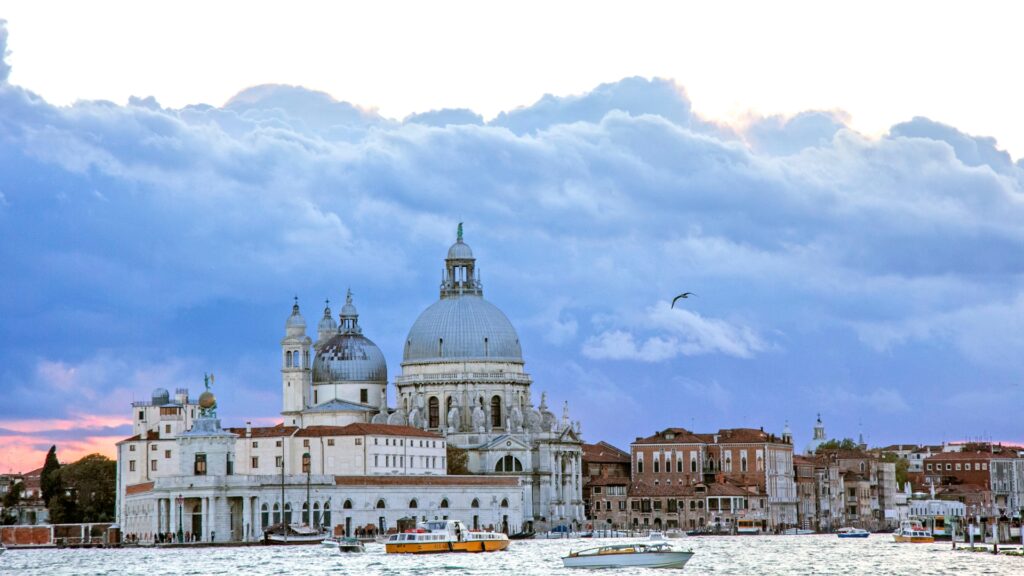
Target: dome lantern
[460,275]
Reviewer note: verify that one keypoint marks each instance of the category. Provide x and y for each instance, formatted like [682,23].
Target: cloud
[147,245]
[5,68]
[684,333]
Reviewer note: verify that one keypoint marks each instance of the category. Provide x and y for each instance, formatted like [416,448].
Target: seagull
[683,295]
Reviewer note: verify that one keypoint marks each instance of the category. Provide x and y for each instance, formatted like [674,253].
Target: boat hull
[676,559]
[865,535]
[913,539]
[278,540]
[443,547]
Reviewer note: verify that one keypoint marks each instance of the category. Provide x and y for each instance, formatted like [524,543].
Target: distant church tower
[295,367]
[819,437]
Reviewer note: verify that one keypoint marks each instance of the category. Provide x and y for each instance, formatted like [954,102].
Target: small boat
[797,532]
[655,536]
[609,534]
[292,534]
[748,527]
[350,545]
[652,555]
[851,532]
[675,533]
[557,533]
[444,536]
[331,542]
[525,535]
[912,533]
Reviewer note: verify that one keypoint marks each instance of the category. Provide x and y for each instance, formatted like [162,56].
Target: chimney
[248,429]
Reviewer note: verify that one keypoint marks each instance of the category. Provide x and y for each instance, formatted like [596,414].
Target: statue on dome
[454,424]
[207,401]
[516,420]
[479,418]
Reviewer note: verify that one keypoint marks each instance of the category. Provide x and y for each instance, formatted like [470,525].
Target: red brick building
[606,477]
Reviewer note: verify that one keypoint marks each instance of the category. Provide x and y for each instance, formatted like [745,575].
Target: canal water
[739,555]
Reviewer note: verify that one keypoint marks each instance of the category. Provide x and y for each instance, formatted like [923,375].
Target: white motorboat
[644,555]
[675,533]
[655,536]
[851,532]
[796,532]
[331,542]
[350,546]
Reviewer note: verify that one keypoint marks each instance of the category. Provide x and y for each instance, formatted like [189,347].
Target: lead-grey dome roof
[460,251]
[349,357]
[465,327]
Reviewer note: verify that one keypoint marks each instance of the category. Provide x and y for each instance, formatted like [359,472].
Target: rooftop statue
[207,401]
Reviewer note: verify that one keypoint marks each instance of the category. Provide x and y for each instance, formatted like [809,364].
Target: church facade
[342,457]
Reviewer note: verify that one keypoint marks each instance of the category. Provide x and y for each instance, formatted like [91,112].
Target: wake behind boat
[444,536]
[655,555]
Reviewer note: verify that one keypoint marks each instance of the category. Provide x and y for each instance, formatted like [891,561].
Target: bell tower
[295,367]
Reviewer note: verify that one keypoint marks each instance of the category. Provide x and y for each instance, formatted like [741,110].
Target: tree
[91,484]
[457,460]
[49,480]
[10,503]
[833,444]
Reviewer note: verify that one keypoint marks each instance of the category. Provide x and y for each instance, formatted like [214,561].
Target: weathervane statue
[207,401]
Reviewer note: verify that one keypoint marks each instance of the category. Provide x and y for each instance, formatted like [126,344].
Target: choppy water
[745,556]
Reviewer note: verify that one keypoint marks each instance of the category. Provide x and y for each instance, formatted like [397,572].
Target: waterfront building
[342,457]
[806,492]
[605,484]
[992,479]
[747,472]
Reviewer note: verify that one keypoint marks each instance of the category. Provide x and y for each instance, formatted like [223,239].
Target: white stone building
[341,456]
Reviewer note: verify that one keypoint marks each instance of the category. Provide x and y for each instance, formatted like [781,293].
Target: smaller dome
[460,251]
[295,325]
[207,400]
[161,397]
[327,324]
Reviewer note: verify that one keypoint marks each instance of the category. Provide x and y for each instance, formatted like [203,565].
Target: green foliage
[91,484]
[50,479]
[10,502]
[457,460]
[833,444]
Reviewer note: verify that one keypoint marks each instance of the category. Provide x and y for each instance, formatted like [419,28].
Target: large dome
[460,328]
[349,357]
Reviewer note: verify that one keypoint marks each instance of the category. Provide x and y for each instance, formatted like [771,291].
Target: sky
[842,187]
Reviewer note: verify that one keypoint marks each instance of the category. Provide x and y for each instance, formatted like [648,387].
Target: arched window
[693,465]
[347,505]
[327,513]
[475,503]
[277,514]
[711,464]
[496,412]
[288,358]
[264,515]
[656,465]
[432,412]
[743,464]
[295,359]
[444,503]
[413,504]
[508,464]
[504,502]
[316,514]
[288,513]
[380,504]
[679,463]
[640,466]
[728,463]
[305,513]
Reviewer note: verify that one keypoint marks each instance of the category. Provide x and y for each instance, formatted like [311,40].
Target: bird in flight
[683,295]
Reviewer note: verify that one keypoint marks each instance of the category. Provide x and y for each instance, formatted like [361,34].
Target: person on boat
[458,533]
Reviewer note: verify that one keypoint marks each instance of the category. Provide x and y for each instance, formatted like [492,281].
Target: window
[475,503]
[347,505]
[376,460]
[277,514]
[496,420]
[316,396]
[142,414]
[380,504]
[504,503]
[131,465]
[364,395]
[279,461]
[679,464]
[255,462]
[413,503]
[167,453]
[984,465]
[330,441]
[167,429]
[433,412]
[597,489]
[131,447]
[958,465]
[928,466]
[359,441]
[743,464]
[656,466]
[200,465]
[508,464]
[949,466]
[256,445]
[622,505]
[305,443]
[264,516]
[639,466]
[277,444]
[444,503]
[693,465]
[977,466]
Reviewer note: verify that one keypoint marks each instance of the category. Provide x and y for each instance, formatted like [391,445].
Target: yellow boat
[913,533]
[444,536]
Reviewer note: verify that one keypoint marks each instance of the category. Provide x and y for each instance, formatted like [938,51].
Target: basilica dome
[460,328]
[461,325]
[348,356]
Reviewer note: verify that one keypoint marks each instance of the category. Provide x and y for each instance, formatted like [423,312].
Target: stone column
[204,518]
[246,518]
[173,517]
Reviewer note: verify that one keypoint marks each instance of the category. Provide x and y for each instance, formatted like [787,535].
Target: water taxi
[444,536]
[748,527]
[912,532]
[653,555]
[851,532]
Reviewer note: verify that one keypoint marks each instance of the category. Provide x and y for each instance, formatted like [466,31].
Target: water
[746,556]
